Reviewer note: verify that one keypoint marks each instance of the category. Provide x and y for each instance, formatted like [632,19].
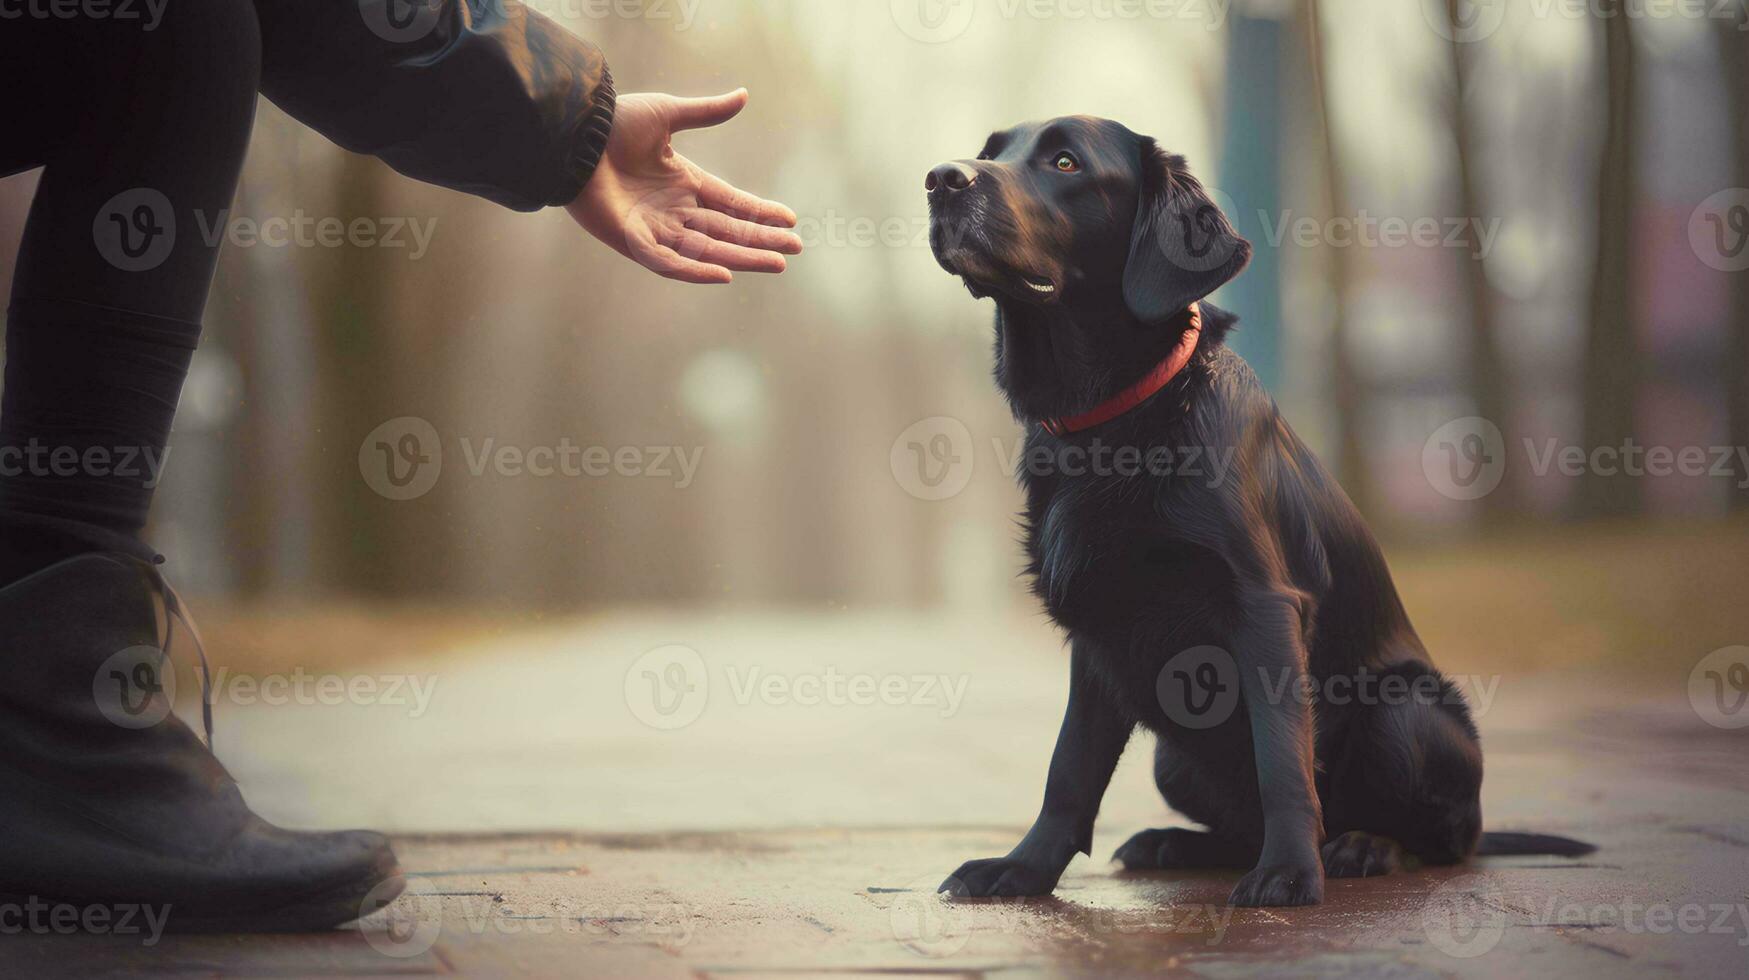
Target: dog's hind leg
[1358,854]
[1402,775]
[1176,848]
[1221,796]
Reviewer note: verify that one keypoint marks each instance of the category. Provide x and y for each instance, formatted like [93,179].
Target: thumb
[708,111]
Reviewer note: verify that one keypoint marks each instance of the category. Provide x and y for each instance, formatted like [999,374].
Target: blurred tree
[257,320]
[1734,61]
[1347,393]
[1611,366]
[250,485]
[1490,385]
[356,375]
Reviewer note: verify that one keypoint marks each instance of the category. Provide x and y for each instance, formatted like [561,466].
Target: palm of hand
[668,214]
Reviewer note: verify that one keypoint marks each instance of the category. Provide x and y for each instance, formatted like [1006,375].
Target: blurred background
[1530,214]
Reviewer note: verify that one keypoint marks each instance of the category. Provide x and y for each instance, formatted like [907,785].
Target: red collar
[1139,392]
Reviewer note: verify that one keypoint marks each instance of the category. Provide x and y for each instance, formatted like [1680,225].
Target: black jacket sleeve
[483,96]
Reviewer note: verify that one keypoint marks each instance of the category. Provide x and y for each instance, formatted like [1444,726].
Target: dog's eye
[1066,163]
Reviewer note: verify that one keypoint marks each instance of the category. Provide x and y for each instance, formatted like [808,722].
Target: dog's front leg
[1272,669]
[1088,746]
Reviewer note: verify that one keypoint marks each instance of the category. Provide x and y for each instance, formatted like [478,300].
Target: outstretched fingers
[738,258]
[724,228]
[670,264]
[719,195]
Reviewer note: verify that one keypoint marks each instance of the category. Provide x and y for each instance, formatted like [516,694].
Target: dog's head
[1081,214]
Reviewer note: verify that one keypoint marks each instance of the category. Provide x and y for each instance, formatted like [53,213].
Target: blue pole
[1251,179]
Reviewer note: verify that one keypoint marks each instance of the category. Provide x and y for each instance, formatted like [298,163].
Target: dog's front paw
[1003,876]
[1280,884]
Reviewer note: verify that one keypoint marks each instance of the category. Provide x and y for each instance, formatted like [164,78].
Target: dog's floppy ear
[1182,247]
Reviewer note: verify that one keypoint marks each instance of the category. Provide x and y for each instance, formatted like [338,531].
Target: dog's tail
[1497,844]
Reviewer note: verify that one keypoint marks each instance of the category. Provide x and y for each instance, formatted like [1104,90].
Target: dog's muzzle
[948,179]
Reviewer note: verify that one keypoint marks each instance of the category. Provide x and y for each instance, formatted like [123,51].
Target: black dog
[1215,583]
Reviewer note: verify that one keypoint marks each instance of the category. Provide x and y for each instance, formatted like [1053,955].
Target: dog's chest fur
[1105,564]
[1084,543]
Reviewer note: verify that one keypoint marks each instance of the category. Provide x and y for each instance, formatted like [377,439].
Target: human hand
[667,214]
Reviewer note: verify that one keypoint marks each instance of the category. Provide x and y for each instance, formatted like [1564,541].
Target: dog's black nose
[949,179]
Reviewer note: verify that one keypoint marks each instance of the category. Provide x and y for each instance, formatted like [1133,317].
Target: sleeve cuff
[591,138]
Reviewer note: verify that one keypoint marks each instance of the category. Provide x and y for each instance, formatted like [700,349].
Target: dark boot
[106,798]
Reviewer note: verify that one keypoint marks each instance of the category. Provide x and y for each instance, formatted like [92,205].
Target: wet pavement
[778,834]
[1657,900]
